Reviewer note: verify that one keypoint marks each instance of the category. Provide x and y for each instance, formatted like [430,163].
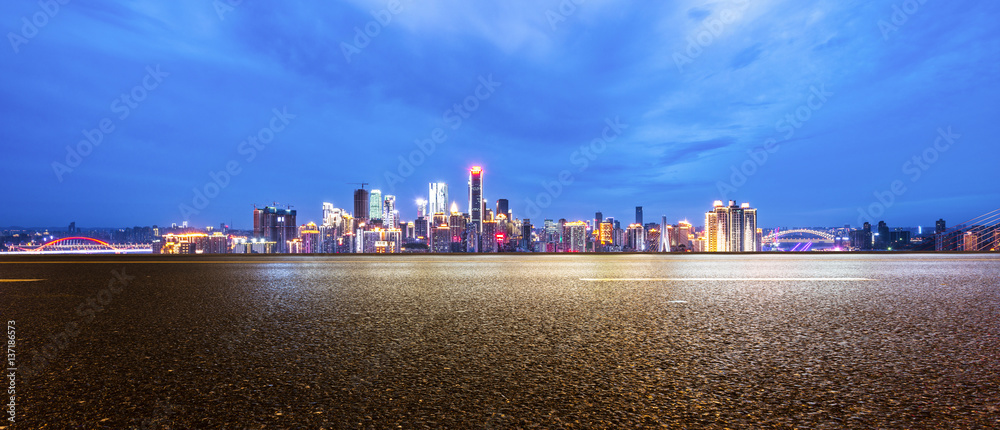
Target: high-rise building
[731,228]
[309,241]
[490,238]
[526,241]
[882,236]
[438,197]
[390,217]
[422,208]
[598,219]
[604,232]
[275,225]
[638,215]
[503,208]
[375,206]
[328,213]
[970,241]
[940,226]
[635,237]
[420,229]
[476,208]
[361,206]
[440,238]
[575,234]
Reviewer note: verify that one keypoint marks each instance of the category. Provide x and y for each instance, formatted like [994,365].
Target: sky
[818,113]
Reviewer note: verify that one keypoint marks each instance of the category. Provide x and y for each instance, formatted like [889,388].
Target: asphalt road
[583,341]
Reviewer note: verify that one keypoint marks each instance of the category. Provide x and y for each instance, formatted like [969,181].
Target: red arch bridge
[86,245]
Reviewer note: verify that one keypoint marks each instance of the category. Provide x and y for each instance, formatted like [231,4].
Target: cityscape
[378,225]
[517,214]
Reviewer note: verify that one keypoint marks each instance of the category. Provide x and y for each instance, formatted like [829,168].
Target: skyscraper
[361,205]
[375,206]
[503,208]
[476,199]
[422,208]
[438,197]
[940,226]
[635,238]
[275,225]
[731,228]
[638,215]
[389,213]
[575,234]
[328,213]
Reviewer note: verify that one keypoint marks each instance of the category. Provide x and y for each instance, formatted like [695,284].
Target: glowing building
[731,228]
[275,225]
[575,236]
[375,206]
[438,197]
[476,199]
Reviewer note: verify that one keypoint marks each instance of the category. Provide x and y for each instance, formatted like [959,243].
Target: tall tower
[638,215]
[361,206]
[503,207]
[389,212]
[275,225]
[664,245]
[476,199]
[375,208]
[731,228]
[438,197]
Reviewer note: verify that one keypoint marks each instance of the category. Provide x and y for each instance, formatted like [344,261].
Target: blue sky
[848,92]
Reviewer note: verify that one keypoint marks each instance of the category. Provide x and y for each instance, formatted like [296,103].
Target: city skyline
[166,101]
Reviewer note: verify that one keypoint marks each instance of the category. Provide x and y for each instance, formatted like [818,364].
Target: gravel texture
[507,341]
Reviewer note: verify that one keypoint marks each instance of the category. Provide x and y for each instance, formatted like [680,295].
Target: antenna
[359,183]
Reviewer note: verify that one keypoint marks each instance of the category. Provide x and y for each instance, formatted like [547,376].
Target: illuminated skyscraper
[490,237]
[275,225]
[422,208]
[476,199]
[731,228]
[575,236]
[375,205]
[328,213]
[361,206]
[638,215]
[438,197]
[389,213]
[635,238]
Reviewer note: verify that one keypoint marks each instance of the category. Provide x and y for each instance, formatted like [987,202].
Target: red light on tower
[477,169]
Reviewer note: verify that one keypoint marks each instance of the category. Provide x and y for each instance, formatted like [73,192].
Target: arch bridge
[86,245]
[826,237]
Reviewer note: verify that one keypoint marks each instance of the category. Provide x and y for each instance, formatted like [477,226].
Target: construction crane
[359,183]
